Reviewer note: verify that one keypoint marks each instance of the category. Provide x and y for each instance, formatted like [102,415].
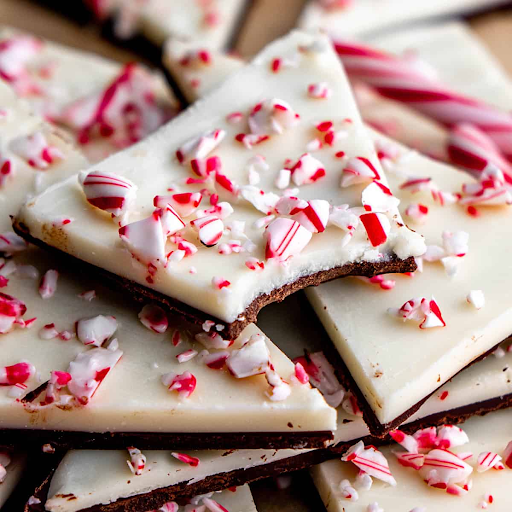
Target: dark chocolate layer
[231,330]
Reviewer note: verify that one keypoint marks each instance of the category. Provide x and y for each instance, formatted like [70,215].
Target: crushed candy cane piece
[154,318]
[507,455]
[374,507]
[11,311]
[217,360]
[377,227]
[359,170]
[285,238]
[487,460]
[48,285]
[137,461]
[377,197]
[203,167]
[108,192]
[272,116]
[187,459]
[254,264]
[88,370]
[363,481]
[442,469]
[88,295]
[491,189]
[186,356]
[184,383]
[347,491]
[16,374]
[405,440]
[96,330]
[213,506]
[322,376]
[315,216]
[212,340]
[220,283]
[410,460]
[253,358]
[185,204]
[35,150]
[476,298]
[124,111]
[48,332]
[350,405]
[11,243]
[145,239]
[279,389]
[346,219]
[307,170]
[301,374]
[417,212]
[421,310]
[200,146]
[210,229]
[451,436]
[370,460]
[320,90]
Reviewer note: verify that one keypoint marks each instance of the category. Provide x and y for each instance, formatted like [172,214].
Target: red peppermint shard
[184,383]
[108,192]
[154,318]
[16,374]
[371,461]
[187,459]
[377,227]
[11,311]
[96,330]
[285,238]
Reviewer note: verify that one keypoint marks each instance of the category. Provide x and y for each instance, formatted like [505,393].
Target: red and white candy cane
[408,81]
[472,150]
[16,374]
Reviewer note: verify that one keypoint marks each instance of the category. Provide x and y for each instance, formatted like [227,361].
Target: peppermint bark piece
[238,499]
[224,243]
[105,109]
[177,382]
[350,18]
[450,335]
[489,439]
[58,375]
[213,22]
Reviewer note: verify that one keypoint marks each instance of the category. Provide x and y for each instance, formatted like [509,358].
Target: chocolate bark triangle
[488,484]
[84,366]
[218,231]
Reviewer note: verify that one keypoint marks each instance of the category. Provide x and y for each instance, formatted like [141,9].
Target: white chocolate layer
[220,401]
[366,16]
[91,484]
[488,433]
[197,81]
[13,477]
[161,19]
[63,75]
[93,236]
[371,344]
[26,180]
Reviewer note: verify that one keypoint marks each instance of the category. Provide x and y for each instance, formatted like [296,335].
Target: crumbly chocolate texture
[230,330]
[66,440]
[377,429]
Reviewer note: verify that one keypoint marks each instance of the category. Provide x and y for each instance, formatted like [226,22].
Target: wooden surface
[262,24]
